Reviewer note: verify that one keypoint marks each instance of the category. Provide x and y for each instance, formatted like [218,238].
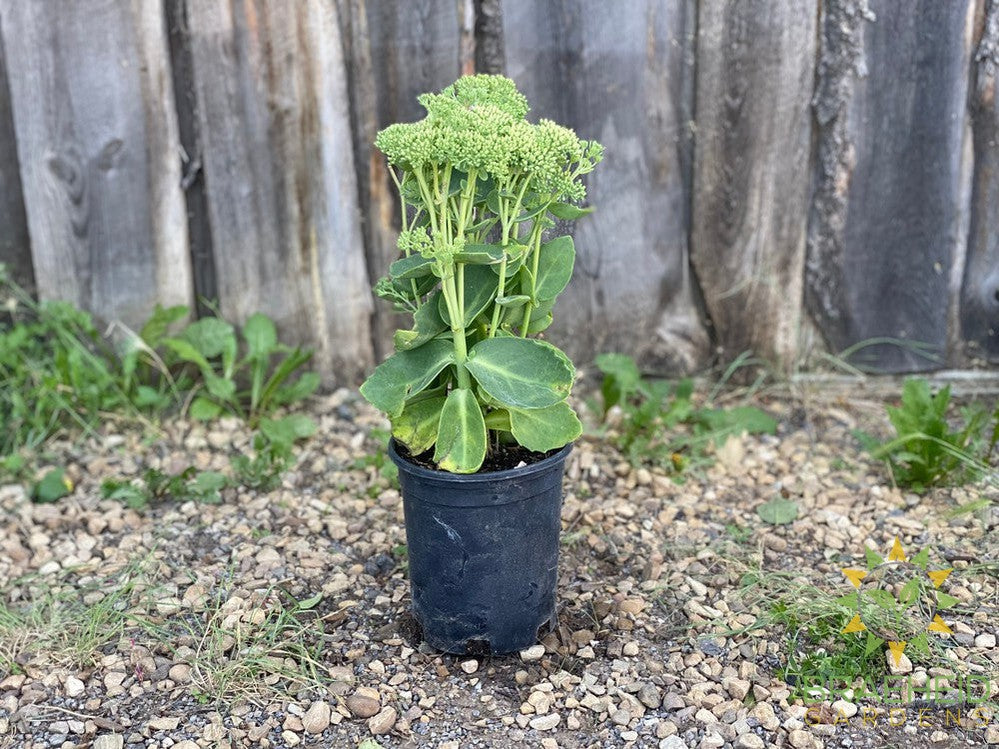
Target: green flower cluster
[478,124]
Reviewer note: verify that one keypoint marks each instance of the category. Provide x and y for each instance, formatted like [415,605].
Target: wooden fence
[783,176]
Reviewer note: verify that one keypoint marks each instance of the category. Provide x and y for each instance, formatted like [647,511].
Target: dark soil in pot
[483,552]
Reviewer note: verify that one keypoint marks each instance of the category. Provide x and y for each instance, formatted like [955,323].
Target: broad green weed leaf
[778,511]
[260,336]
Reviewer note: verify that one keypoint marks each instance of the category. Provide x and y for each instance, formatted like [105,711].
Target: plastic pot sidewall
[483,552]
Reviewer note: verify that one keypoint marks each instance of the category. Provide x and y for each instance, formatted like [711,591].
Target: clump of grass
[66,623]
[926,450]
[660,422]
[273,645]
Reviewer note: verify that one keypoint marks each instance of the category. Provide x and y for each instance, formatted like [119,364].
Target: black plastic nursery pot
[483,553]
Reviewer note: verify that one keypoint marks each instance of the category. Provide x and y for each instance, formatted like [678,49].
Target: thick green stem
[535,253]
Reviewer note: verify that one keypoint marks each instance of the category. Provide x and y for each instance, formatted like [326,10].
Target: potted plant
[478,403]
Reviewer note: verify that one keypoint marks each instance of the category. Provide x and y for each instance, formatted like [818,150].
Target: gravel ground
[280,619]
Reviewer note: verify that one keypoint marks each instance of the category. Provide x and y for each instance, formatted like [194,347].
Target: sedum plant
[479,187]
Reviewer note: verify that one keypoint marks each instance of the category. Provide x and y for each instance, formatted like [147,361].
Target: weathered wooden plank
[396,50]
[621,73]
[97,144]
[15,247]
[279,169]
[193,182]
[887,217]
[755,69]
[980,292]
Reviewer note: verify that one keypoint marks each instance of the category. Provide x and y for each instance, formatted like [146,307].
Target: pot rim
[471,478]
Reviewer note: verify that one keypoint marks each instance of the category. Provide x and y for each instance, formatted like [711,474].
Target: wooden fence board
[620,73]
[396,50]
[755,69]
[980,293]
[279,169]
[98,151]
[15,248]
[888,207]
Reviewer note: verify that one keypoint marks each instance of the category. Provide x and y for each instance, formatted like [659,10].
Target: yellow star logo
[855,576]
[938,576]
[856,625]
[897,553]
[939,625]
[897,650]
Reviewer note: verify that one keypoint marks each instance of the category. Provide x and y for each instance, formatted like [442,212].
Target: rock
[545,722]
[317,717]
[749,741]
[532,653]
[738,688]
[630,649]
[291,738]
[800,739]
[764,712]
[992,734]
[163,724]
[673,742]
[470,666]
[180,673]
[364,703]
[986,641]
[939,737]
[109,741]
[383,721]
[74,687]
[902,666]
[186,744]
[649,696]
[844,708]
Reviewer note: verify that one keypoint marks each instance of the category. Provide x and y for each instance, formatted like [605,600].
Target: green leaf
[873,559]
[515,254]
[849,600]
[480,288]
[513,302]
[872,643]
[211,336]
[52,486]
[309,603]
[621,378]
[220,387]
[369,744]
[260,336]
[946,601]
[909,592]
[544,429]
[414,266]
[539,323]
[427,324]
[778,511]
[416,427]
[498,419]
[883,598]
[521,373]
[404,374]
[288,429]
[203,409]
[922,558]
[159,323]
[461,435]
[479,254]
[568,212]
[555,265]
[186,351]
